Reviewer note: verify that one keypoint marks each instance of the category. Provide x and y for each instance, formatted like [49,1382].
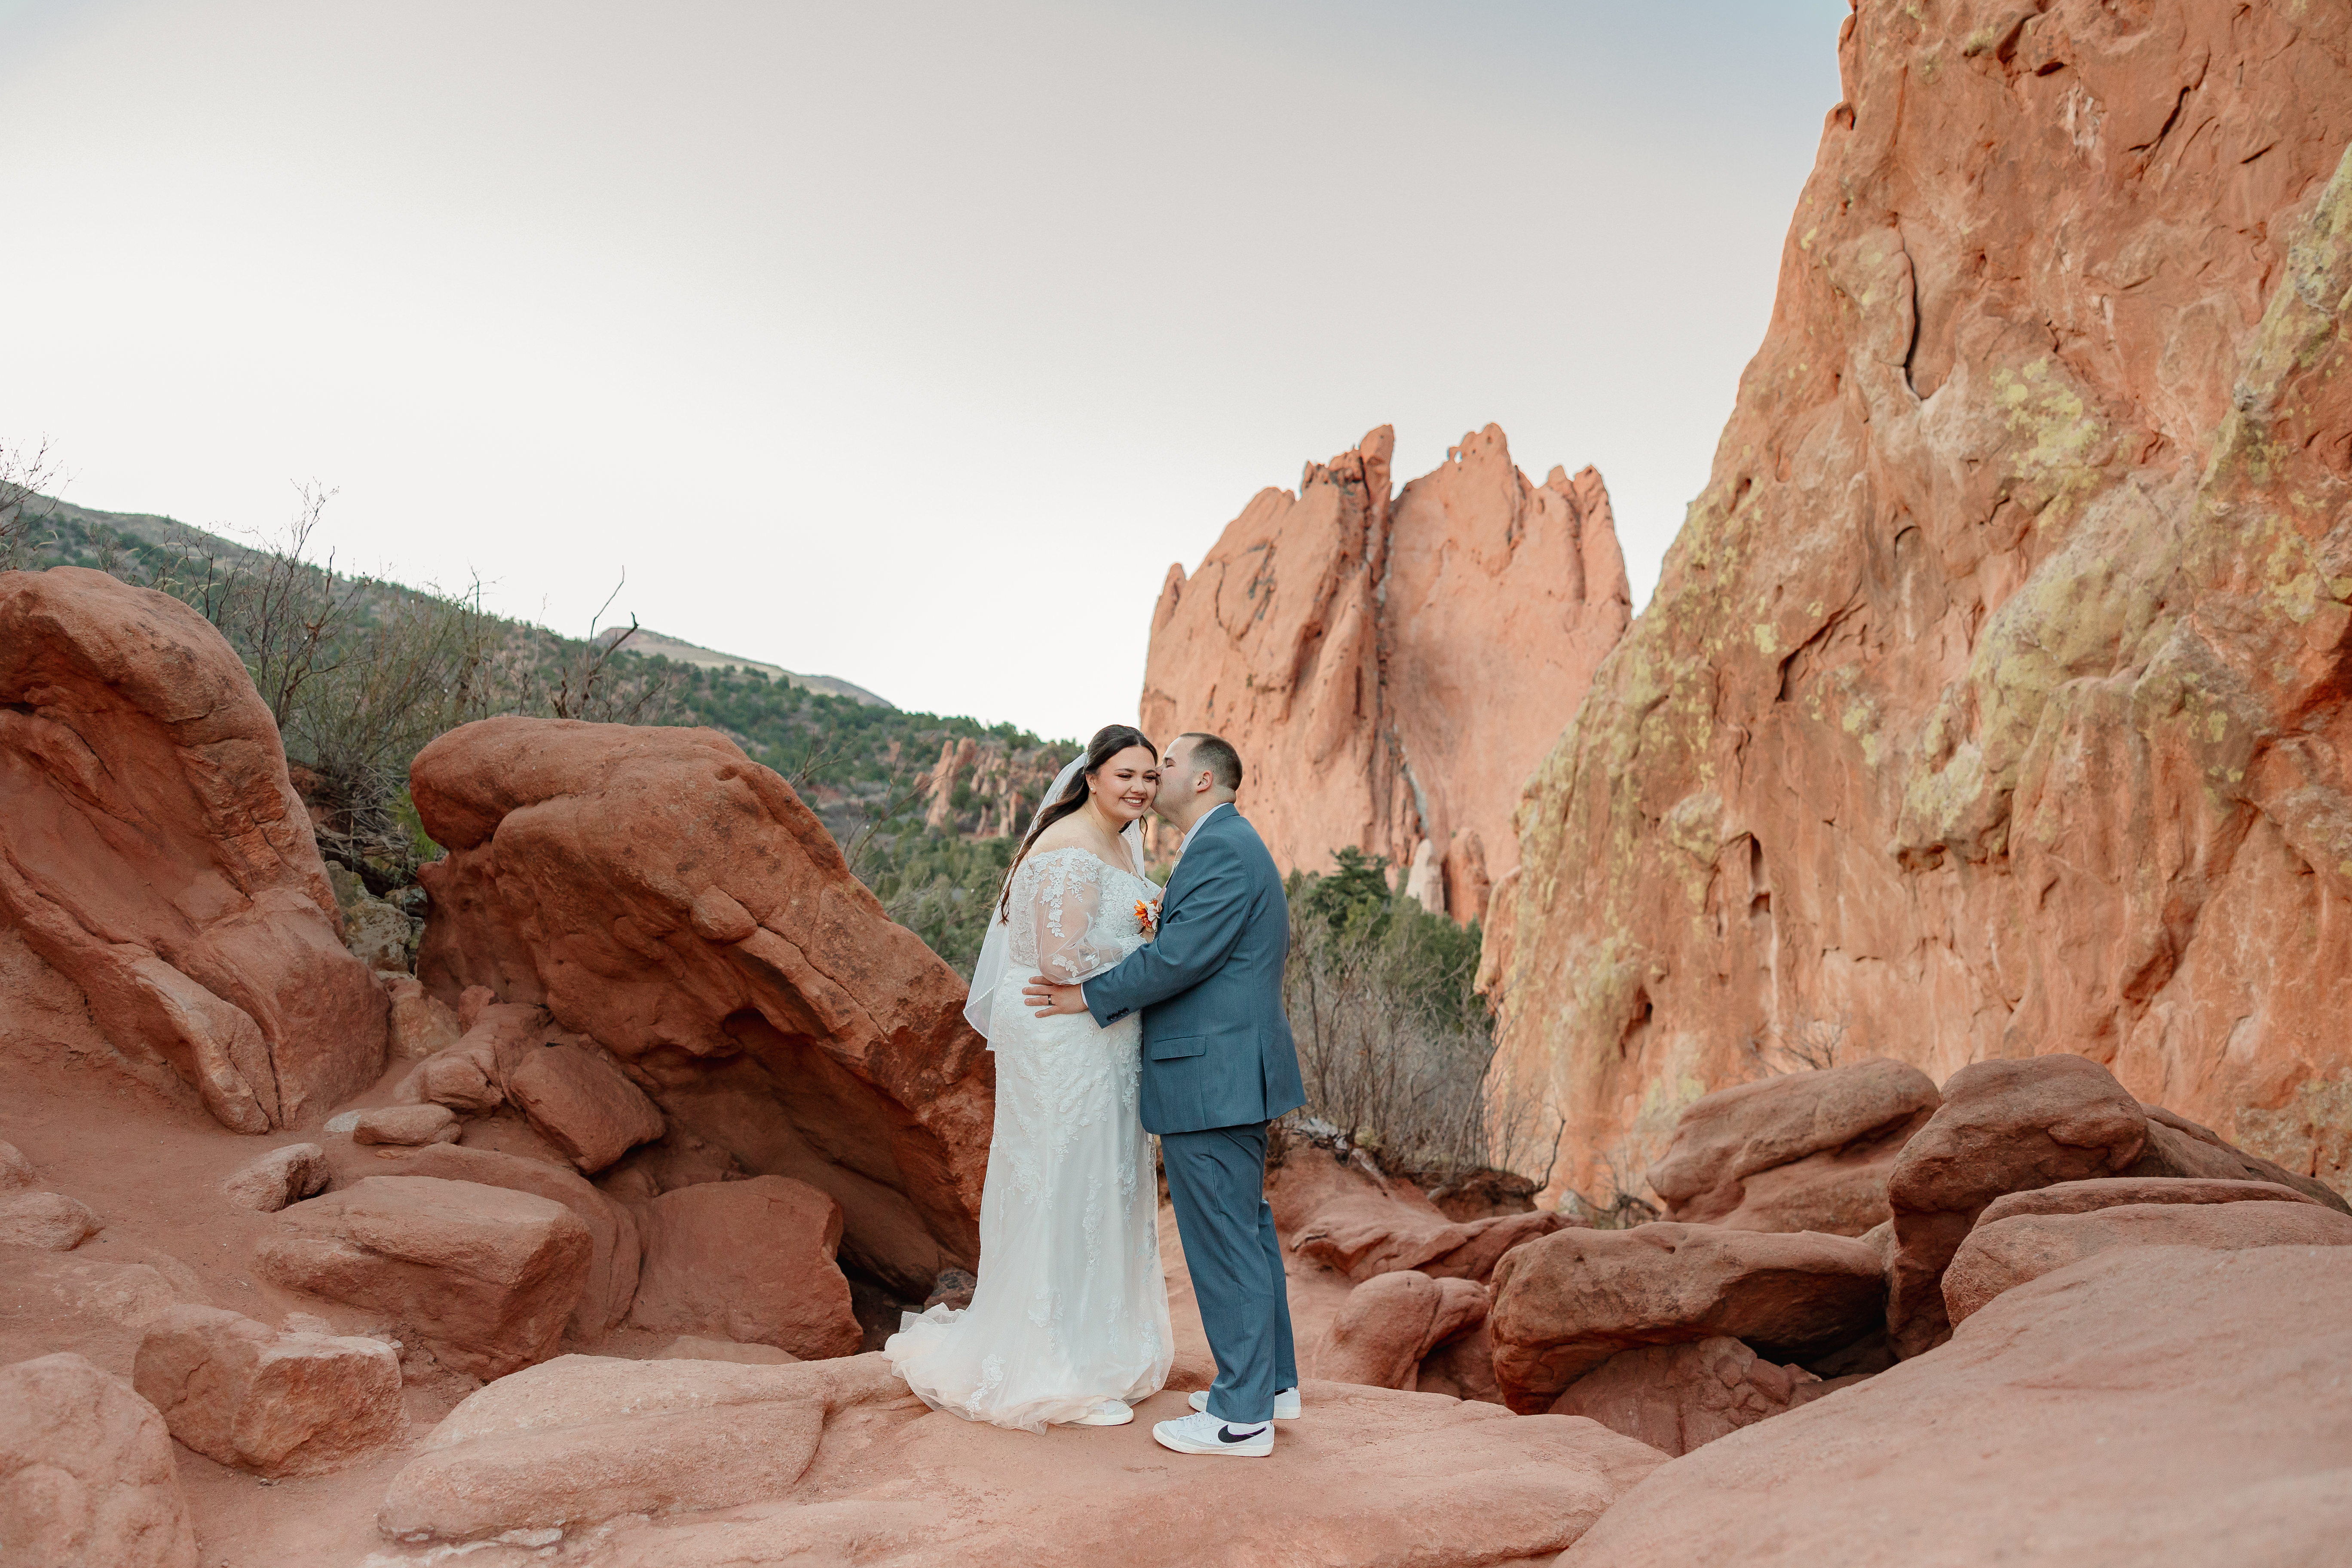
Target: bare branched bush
[360,673]
[1393,1043]
[25,473]
[286,613]
[1620,1207]
[566,679]
[1809,1044]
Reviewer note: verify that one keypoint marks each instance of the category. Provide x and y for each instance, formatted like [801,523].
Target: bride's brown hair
[1109,741]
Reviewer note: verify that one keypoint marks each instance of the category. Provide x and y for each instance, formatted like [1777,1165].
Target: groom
[1218,1065]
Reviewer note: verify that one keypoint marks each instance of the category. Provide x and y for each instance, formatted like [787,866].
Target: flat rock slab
[406,1125]
[2000,1256]
[850,1466]
[2116,1192]
[484,1275]
[1567,1302]
[2165,1407]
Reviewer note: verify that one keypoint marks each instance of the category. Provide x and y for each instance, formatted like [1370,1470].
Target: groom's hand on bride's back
[1048,999]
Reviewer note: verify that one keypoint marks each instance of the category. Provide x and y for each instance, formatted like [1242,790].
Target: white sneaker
[1285,1403]
[1204,1434]
[1107,1413]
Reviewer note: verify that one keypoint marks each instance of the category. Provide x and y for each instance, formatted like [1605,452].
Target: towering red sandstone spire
[1390,668]
[1992,700]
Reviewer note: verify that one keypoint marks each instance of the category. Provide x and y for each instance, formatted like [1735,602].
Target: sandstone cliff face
[1001,786]
[163,906]
[1391,666]
[1992,701]
[659,892]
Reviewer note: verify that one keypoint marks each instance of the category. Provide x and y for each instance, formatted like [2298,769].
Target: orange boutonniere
[1146,915]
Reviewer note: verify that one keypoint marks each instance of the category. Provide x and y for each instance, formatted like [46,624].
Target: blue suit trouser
[1217,1180]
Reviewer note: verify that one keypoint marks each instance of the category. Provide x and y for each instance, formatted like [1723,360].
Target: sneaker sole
[1250,1450]
[1201,1402]
[1124,1416]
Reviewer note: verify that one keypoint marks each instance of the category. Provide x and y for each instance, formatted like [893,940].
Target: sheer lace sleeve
[1059,903]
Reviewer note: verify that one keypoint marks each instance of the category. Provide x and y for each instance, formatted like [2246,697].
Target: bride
[1069,1320]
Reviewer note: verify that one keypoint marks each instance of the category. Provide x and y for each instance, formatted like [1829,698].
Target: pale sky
[904,343]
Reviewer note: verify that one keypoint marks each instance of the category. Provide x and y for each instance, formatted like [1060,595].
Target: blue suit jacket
[1216,1044]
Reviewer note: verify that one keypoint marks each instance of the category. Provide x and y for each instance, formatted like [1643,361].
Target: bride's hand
[1048,1000]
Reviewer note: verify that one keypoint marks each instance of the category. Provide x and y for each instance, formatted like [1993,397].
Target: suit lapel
[1168,899]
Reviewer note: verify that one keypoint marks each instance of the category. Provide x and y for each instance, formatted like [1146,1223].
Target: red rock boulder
[258,1399]
[583,1103]
[1392,667]
[282,1176]
[674,902]
[1676,1397]
[1565,1304]
[1803,1150]
[615,1250]
[87,1476]
[406,1126]
[1391,1322]
[2164,1406]
[2004,1126]
[418,1023]
[484,1276]
[154,855]
[2000,1256]
[1353,1218]
[748,1261]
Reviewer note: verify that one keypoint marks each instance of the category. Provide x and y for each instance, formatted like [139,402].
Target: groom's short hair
[1214,753]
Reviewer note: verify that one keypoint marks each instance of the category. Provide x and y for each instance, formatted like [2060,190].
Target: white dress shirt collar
[1203,818]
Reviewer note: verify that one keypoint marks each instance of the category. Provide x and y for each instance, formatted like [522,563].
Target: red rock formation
[1805,1150]
[663,895]
[1992,702]
[2000,1256]
[1567,1302]
[156,865]
[487,1276]
[2134,1409]
[87,1475]
[1004,786]
[274,1403]
[1390,1323]
[1392,667]
[751,1261]
[834,1461]
[1676,1397]
[1363,1225]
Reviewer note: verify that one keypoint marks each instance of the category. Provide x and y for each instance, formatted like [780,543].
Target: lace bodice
[1074,913]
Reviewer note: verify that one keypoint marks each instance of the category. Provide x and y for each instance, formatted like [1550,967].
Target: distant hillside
[658,644]
[920,802]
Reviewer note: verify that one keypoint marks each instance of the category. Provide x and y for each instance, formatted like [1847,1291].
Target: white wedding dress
[1071,1307]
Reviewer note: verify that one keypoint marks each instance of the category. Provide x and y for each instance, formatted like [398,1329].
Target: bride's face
[1124,786]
